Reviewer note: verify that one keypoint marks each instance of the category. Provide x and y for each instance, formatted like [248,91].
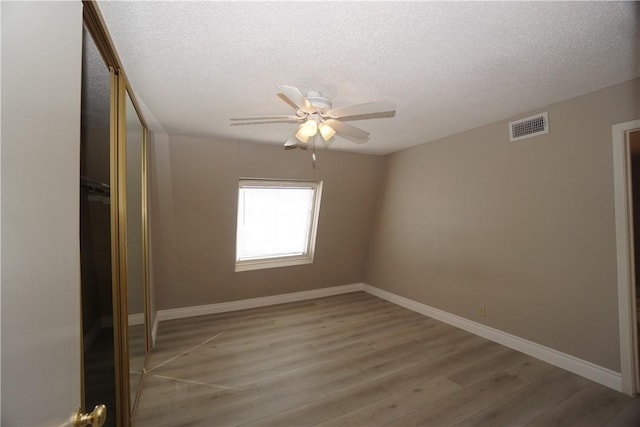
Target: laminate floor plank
[399,378]
[530,402]
[530,369]
[275,312]
[592,406]
[320,335]
[396,405]
[238,330]
[353,360]
[487,366]
[331,406]
[397,382]
[257,372]
[183,401]
[228,360]
[268,318]
[339,370]
[462,404]
[336,376]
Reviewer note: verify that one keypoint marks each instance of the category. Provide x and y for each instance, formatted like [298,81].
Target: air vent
[531,126]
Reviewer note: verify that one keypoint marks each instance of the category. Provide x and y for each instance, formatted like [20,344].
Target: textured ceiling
[448,67]
[95,85]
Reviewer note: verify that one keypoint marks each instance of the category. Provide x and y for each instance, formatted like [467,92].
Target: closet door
[96,240]
[130,251]
[136,248]
[126,159]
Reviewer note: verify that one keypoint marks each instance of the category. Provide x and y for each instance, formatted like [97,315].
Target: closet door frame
[119,254]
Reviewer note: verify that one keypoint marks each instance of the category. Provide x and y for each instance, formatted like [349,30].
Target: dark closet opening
[99,383]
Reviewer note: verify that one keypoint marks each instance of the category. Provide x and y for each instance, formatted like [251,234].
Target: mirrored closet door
[135,144]
[113,228]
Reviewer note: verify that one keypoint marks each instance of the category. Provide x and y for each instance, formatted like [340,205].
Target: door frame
[625,256]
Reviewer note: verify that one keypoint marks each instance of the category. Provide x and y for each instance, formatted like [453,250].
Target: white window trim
[283,261]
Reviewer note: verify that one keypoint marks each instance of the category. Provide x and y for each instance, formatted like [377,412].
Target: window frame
[286,260]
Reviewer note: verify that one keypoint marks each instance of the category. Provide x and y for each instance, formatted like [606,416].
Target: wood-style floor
[354,360]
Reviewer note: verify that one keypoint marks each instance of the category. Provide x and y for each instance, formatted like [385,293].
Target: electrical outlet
[483,311]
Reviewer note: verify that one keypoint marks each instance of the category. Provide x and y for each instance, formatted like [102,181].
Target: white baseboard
[199,310]
[565,361]
[562,360]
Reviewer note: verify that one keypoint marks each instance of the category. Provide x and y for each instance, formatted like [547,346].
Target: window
[277,223]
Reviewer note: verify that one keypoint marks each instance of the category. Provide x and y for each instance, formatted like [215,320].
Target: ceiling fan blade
[297,97]
[242,121]
[288,101]
[347,130]
[291,118]
[261,122]
[293,142]
[375,107]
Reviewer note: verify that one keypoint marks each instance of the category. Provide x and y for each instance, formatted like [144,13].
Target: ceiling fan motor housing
[319,102]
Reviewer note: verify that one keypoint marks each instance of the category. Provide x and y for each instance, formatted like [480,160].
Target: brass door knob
[95,418]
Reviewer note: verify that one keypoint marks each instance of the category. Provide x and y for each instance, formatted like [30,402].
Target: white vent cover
[528,127]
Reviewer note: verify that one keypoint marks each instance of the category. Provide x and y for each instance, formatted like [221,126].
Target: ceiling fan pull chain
[313,152]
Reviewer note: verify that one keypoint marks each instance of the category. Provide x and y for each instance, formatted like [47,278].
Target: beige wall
[525,228]
[194,243]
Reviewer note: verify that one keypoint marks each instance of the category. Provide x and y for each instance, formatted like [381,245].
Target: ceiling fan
[315,113]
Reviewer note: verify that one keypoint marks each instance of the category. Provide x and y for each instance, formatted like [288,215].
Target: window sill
[272,263]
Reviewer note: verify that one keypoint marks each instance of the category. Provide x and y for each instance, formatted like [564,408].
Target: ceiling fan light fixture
[301,136]
[307,130]
[326,131]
